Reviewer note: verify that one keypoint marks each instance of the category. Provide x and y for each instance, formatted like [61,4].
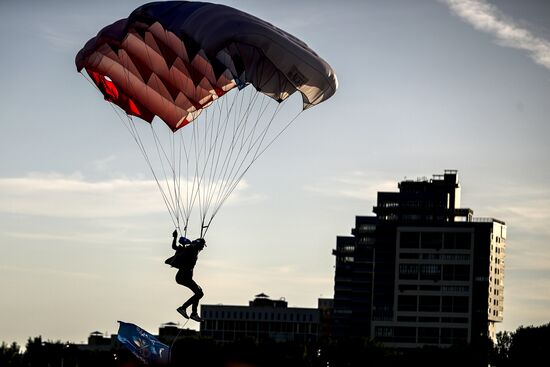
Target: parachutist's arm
[175,237]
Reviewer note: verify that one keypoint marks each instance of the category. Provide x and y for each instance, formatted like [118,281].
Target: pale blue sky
[425,86]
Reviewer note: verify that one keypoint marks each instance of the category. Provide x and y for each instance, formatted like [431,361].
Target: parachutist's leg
[194,300]
[198,295]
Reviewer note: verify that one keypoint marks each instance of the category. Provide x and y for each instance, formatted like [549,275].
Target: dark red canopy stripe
[148,72]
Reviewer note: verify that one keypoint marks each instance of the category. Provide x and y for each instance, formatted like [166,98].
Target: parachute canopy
[172,59]
[178,60]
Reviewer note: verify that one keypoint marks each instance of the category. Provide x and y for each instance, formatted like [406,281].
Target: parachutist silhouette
[200,57]
[185,259]
[205,57]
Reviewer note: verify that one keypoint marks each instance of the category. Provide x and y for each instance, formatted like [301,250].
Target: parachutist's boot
[196,317]
[183,312]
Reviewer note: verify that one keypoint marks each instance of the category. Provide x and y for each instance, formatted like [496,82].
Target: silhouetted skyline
[424,86]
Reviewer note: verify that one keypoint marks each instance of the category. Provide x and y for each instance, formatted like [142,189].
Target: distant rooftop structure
[263,300]
[169,324]
[435,176]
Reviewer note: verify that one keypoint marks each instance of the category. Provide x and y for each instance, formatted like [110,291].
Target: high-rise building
[422,270]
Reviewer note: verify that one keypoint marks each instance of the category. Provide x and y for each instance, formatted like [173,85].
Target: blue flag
[142,344]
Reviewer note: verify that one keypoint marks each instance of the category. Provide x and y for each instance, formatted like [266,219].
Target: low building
[326,310]
[261,320]
[171,331]
[97,341]
[168,332]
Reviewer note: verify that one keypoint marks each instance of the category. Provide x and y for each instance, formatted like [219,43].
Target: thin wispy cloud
[532,217]
[523,207]
[59,40]
[355,185]
[248,279]
[51,26]
[48,272]
[104,164]
[524,303]
[532,259]
[488,18]
[72,196]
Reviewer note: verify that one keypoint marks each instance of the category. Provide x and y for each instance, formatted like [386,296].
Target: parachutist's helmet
[183,241]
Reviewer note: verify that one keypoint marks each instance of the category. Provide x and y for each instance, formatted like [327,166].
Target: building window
[447,304]
[460,336]
[407,287]
[408,271]
[456,272]
[406,318]
[463,241]
[389,217]
[430,272]
[455,288]
[383,331]
[431,240]
[367,240]
[428,303]
[428,319]
[460,304]
[367,227]
[462,272]
[428,335]
[404,334]
[446,335]
[406,303]
[408,255]
[410,240]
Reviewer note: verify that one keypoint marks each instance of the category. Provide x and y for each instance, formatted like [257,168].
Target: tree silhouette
[10,355]
[524,347]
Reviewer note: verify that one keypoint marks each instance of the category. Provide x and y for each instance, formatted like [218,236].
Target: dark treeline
[39,353]
[524,347]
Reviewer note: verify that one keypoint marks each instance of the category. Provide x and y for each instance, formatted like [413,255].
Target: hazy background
[425,86]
